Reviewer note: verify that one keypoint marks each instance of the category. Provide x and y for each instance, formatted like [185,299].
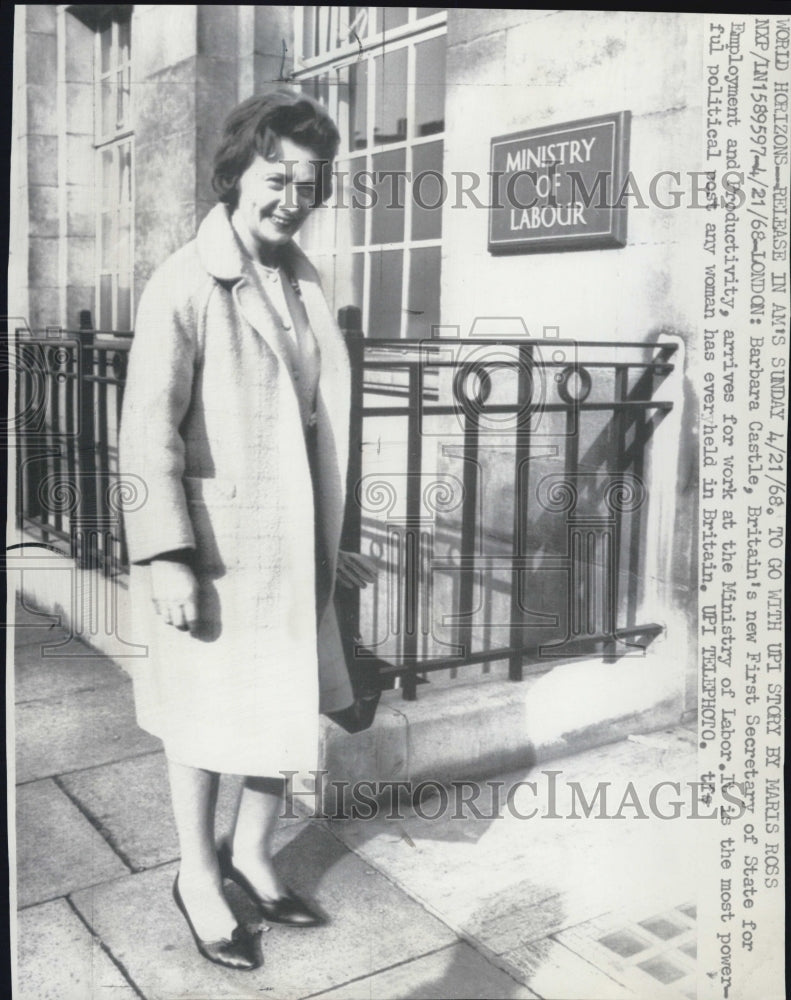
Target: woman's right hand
[175,593]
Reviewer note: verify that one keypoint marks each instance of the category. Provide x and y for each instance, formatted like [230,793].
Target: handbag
[367,691]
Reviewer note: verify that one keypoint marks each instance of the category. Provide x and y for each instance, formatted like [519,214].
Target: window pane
[343,108]
[319,228]
[124,321]
[423,300]
[390,108]
[105,302]
[319,88]
[349,280]
[124,259]
[309,233]
[107,241]
[119,101]
[392,17]
[356,291]
[125,173]
[309,32]
[123,97]
[430,87]
[105,44]
[325,266]
[107,124]
[312,234]
[387,224]
[428,191]
[428,11]
[106,166]
[385,310]
[124,28]
[359,23]
[323,40]
[358,100]
[359,199]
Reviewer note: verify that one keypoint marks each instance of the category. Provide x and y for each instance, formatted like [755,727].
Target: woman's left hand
[355,570]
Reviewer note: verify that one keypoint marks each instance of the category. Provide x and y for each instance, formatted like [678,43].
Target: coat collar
[218,247]
[222,254]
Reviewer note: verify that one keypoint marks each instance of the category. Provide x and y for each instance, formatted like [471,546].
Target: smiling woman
[300,170]
[236,417]
[274,199]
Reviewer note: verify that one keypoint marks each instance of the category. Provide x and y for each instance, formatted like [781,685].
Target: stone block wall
[190,65]
[510,70]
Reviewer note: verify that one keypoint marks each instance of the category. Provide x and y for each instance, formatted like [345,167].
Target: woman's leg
[256,818]
[194,796]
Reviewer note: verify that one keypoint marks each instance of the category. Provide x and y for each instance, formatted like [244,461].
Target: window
[114,151]
[380,72]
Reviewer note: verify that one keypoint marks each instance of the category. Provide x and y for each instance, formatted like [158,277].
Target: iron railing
[509,509]
[500,484]
[69,393]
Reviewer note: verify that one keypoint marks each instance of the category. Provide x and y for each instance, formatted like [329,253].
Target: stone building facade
[117,109]
[155,79]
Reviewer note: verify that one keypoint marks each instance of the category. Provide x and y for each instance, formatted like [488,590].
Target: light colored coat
[211,425]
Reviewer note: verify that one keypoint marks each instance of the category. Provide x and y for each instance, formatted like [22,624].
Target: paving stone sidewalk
[488,906]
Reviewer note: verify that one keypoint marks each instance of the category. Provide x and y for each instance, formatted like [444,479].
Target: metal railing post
[519,547]
[87,514]
[412,533]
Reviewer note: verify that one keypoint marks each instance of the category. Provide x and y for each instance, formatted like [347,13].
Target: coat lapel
[224,259]
[334,394]
[253,303]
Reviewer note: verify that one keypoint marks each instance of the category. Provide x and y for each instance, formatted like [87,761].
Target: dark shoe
[238,953]
[286,909]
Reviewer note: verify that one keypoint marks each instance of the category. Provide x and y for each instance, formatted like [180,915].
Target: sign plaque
[560,187]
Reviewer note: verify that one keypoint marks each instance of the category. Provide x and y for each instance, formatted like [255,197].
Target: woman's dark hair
[249,131]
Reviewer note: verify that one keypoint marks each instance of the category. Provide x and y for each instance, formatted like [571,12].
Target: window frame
[122,134]
[334,61]
[349,51]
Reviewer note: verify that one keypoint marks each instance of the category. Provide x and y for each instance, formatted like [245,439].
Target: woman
[236,420]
